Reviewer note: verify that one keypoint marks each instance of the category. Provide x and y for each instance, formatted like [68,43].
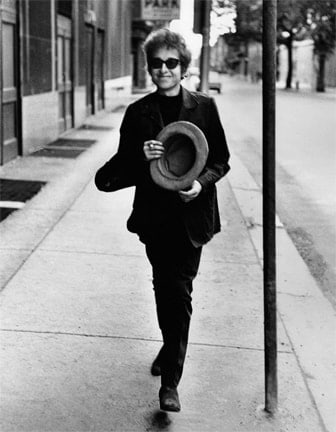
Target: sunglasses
[156,63]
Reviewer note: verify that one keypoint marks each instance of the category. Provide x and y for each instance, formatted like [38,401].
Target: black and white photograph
[167,215]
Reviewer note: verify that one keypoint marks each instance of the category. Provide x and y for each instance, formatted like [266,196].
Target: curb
[307,316]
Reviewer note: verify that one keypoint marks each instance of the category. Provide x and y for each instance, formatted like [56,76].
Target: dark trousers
[175,263]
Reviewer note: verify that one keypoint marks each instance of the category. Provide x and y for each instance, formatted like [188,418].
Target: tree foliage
[249,19]
[321,17]
[291,17]
[297,20]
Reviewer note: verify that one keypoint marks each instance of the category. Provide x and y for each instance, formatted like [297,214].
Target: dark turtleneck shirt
[170,107]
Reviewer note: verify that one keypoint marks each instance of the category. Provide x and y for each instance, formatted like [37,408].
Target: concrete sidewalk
[78,325]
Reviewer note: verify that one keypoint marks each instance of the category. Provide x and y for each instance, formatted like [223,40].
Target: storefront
[60,61]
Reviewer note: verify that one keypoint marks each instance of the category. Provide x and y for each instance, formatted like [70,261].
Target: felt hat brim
[185,154]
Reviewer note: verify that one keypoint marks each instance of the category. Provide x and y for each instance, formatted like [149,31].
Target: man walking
[173,225]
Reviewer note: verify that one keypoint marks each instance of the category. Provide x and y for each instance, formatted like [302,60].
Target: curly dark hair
[170,40]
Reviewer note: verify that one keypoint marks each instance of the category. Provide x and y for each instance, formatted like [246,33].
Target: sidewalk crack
[106,336]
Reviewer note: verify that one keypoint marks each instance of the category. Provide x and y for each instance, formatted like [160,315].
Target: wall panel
[36,47]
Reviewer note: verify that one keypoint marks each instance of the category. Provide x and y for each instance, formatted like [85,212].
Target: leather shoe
[169,400]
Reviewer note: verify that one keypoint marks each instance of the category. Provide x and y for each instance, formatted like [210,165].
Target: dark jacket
[153,206]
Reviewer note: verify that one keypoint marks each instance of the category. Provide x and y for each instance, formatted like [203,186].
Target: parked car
[214,79]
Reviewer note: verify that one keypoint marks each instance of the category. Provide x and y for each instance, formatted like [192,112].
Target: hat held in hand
[185,154]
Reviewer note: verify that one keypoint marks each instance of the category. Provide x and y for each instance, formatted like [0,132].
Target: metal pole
[269,241]
[205,52]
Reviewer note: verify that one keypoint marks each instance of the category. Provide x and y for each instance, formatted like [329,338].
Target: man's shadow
[159,421]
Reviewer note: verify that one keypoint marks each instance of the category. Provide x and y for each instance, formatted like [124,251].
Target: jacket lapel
[189,103]
[151,110]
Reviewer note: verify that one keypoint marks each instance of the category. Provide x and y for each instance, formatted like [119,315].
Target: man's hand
[153,149]
[191,193]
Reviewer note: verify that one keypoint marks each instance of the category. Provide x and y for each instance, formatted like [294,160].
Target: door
[99,76]
[89,71]
[9,95]
[64,74]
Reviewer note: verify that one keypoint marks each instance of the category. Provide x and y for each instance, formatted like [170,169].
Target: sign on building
[164,10]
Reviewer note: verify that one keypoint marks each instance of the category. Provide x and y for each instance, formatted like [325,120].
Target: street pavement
[78,324]
[305,165]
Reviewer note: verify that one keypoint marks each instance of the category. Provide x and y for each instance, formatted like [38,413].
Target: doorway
[9,91]
[89,71]
[64,73]
[100,69]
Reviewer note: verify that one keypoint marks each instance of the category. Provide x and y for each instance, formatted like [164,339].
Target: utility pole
[269,211]
[202,10]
